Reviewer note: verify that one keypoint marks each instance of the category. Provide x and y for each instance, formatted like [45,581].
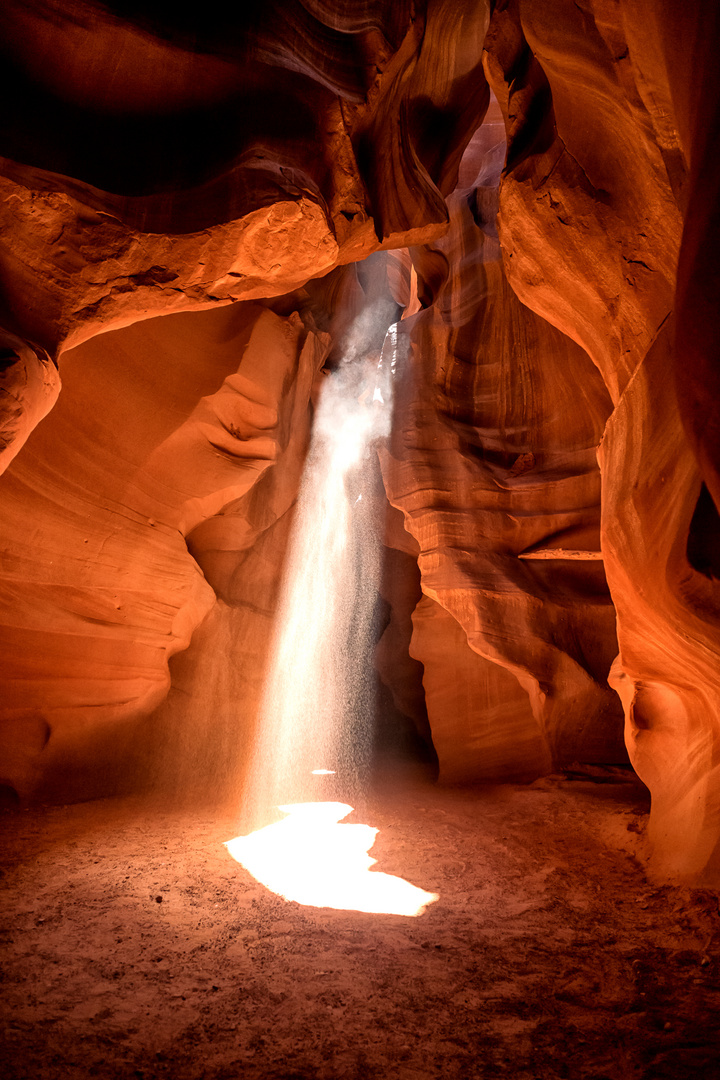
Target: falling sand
[316,720]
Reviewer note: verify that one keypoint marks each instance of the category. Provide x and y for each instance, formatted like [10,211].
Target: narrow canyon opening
[359,609]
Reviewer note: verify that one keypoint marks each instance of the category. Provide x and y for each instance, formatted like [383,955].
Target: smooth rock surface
[493,454]
[555,455]
[602,127]
[158,428]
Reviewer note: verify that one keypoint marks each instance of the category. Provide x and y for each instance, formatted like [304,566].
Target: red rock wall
[159,427]
[155,164]
[602,126]
[493,464]
[152,165]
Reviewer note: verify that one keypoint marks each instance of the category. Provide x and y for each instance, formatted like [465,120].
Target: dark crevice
[703,544]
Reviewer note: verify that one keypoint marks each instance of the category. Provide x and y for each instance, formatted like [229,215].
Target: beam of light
[311,857]
[318,699]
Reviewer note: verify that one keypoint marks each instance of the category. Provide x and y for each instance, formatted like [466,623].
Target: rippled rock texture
[155,162]
[609,112]
[493,464]
[158,428]
[548,495]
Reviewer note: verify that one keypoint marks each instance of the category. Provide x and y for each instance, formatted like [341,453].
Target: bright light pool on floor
[314,858]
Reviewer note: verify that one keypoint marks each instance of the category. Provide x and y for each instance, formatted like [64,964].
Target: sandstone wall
[605,115]
[555,454]
[159,427]
[493,463]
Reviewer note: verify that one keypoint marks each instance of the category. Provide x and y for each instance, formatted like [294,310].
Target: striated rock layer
[159,427]
[153,164]
[553,475]
[493,463]
[602,124]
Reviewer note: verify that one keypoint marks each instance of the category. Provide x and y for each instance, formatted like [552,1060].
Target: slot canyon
[482,235]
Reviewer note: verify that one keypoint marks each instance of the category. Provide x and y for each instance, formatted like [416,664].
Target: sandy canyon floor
[133,946]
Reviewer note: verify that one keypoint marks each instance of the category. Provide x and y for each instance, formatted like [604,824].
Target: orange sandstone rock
[493,455]
[158,428]
[603,121]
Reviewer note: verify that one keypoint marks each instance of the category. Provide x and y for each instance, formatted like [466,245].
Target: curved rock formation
[29,386]
[493,463]
[590,223]
[163,163]
[152,165]
[159,427]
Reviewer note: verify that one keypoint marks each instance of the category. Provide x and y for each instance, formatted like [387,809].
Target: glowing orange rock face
[154,432]
[608,116]
[233,160]
[29,386]
[492,457]
[185,176]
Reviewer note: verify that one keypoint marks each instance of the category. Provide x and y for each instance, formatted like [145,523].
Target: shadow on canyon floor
[134,947]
